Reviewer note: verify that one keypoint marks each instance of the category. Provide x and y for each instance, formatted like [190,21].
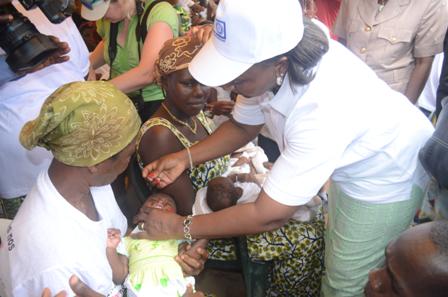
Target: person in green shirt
[132,69]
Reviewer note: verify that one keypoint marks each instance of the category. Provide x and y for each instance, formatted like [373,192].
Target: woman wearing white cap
[325,108]
[133,32]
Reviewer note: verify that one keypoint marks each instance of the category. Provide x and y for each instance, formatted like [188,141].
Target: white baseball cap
[93,10]
[247,32]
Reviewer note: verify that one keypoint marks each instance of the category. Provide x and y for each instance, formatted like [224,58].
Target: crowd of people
[324,160]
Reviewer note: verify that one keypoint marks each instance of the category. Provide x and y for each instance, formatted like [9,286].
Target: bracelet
[187,222]
[189,157]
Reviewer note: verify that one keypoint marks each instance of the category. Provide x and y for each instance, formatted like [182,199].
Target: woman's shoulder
[159,133]
[163,12]
[158,128]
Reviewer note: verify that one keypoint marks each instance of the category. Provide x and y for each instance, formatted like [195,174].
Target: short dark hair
[439,235]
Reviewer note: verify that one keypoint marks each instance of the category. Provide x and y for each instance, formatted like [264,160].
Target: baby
[152,268]
[223,192]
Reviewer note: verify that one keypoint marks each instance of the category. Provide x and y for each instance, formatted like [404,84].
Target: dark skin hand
[59,56]
[191,257]
[5,18]
[221,107]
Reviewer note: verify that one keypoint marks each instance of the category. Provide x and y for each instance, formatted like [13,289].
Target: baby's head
[161,201]
[221,193]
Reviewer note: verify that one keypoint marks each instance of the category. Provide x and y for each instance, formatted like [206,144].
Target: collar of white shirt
[287,96]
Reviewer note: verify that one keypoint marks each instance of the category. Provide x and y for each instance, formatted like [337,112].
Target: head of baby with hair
[222,193]
[161,201]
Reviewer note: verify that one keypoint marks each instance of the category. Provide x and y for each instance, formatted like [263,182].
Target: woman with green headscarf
[61,228]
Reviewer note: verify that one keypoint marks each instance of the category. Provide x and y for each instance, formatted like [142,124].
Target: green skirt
[356,237]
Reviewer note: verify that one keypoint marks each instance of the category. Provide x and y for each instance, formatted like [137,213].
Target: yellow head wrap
[83,123]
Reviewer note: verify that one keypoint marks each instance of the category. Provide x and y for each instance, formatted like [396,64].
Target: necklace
[192,129]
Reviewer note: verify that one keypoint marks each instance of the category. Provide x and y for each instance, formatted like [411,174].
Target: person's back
[20,101]
[376,141]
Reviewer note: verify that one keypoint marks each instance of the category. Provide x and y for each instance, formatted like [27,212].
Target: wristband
[187,222]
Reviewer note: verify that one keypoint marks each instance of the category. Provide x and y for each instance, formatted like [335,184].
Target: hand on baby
[192,257]
[113,237]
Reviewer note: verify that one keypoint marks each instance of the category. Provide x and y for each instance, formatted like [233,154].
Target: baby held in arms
[242,184]
[152,268]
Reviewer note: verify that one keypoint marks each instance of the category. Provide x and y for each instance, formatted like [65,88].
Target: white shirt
[347,124]
[428,97]
[50,240]
[21,100]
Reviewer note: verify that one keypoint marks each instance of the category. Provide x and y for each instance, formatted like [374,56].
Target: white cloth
[21,100]
[50,240]
[254,154]
[347,124]
[5,279]
[427,99]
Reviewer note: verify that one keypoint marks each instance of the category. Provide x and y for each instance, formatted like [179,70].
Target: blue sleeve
[6,74]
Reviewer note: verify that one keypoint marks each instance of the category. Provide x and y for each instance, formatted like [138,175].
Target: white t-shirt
[21,100]
[347,124]
[50,240]
[428,97]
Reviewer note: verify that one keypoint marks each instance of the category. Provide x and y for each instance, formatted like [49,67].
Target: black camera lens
[22,42]
[56,11]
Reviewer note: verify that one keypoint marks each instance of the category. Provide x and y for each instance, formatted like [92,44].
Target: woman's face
[258,79]
[188,95]
[116,11]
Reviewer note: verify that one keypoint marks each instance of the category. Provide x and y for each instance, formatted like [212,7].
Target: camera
[24,45]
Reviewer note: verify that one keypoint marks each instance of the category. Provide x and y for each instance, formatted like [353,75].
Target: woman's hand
[79,288]
[60,55]
[221,107]
[192,257]
[166,170]
[158,224]
[203,32]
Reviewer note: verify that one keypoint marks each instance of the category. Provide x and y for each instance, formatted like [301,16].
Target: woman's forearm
[97,56]
[229,137]
[263,215]
[134,79]
[418,78]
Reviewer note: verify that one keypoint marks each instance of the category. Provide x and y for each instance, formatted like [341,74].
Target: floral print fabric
[83,123]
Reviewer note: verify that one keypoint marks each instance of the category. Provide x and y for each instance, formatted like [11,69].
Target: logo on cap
[220,30]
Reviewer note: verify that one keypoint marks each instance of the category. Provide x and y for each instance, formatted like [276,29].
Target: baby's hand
[113,237]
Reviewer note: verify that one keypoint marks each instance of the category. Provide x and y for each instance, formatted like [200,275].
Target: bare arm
[227,138]
[157,142]
[119,264]
[143,74]
[97,56]
[265,214]
[418,78]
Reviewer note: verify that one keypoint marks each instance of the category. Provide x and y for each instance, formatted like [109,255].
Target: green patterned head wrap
[83,123]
